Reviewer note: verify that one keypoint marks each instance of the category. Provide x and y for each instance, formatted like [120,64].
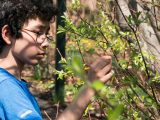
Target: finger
[107,77]
[104,71]
[100,63]
[105,59]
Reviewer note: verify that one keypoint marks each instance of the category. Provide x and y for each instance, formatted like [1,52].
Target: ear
[5,34]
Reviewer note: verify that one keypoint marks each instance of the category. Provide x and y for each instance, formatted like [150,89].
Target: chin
[33,62]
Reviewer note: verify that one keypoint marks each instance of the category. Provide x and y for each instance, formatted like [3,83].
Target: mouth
[41,55]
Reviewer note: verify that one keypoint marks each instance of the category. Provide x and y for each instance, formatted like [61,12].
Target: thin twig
[80,51]
[47,115]
[134,32]
[155,15]
[57,111]
[138,106]
[147,2]
[126,72]
[89,116]
[59,52]
[144,61]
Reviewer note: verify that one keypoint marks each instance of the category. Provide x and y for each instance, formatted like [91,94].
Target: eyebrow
[40,27]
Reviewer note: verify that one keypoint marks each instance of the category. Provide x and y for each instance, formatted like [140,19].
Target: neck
[8,62]
[13,70]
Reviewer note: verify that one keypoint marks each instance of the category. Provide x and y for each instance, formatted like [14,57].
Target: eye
[39,33]
[47,32]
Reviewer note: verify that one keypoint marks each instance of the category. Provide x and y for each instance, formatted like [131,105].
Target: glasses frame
[38,35]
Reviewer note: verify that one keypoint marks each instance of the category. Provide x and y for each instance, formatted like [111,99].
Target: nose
[45,44]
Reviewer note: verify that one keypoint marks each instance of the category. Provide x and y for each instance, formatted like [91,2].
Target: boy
[24,26]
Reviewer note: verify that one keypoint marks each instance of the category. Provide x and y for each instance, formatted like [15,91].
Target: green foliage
[77,67]
[114,114]
[97,85]
[67,71]
[131,93]
[135,19]
[37,72]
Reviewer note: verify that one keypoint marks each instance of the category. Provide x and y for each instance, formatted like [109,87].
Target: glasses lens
[49,38]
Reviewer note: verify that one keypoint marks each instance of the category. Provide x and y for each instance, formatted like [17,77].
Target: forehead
[36,23]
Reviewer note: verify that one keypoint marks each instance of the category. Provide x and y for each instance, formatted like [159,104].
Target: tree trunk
[149,33]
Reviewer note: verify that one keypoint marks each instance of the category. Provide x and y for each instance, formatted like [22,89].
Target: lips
[41,55]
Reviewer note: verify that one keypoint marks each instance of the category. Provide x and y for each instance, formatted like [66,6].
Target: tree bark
[125,9]
[149,41]
[149,34]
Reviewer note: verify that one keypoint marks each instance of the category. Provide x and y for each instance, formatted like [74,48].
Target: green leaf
[77,66]
[97,85]
[61,30]
[37,72]
[114,114]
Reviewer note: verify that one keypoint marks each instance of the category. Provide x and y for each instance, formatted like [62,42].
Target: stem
[80,52]
[49,118]
[134,32]
[138,106]
[126,72]
[154,10]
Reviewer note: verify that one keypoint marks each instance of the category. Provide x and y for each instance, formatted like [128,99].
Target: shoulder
[9,86]
[15,103]
[10,89]
[8,83]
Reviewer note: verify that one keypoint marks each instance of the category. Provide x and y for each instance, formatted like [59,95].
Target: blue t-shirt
[16,101]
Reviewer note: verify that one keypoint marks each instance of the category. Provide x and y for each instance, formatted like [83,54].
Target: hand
[101,69]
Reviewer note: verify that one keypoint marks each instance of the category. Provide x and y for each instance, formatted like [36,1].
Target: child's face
[31,47]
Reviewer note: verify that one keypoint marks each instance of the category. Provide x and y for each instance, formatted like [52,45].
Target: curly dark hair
[15,13]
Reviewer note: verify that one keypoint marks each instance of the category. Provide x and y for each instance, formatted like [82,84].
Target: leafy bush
[131,93]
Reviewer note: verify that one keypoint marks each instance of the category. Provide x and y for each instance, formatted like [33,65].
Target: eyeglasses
[39,39]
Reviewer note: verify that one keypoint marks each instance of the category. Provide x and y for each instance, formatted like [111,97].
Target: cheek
[24,51]
[29,52]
